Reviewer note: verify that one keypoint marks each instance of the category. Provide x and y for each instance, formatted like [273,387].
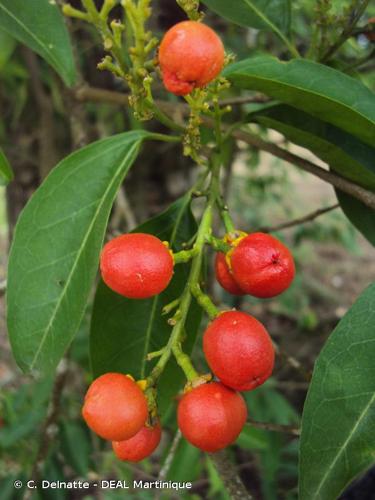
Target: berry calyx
[190,56]
[224,276]
[211,416]
[239,350]
[115,408]
[136,265]
[261,265]
[140,446]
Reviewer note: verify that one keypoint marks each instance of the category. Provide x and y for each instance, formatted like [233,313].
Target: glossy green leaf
[338,425]
[6,172]
[269,15]
[347,155]
[344,153]
[319,90]
[56,246]
[361,216]
[40,25]
[123,331]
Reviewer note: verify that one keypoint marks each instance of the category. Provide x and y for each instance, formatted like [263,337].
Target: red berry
[224,276]
[211,416]
[261,265]
[239,350]
[115,408]
[190,55]
[139,446]
[136,265]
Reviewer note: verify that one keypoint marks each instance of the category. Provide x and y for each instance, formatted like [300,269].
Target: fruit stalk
[175,340]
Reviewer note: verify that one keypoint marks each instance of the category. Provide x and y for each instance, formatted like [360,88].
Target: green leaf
[361,216]
[123,331]
[319,90]
[56,246]
[252,438]
[40,25]
[186,464]
[76,446]
[6,172]
[269,15]
[338,425]
[7,46]
[268,405]
[344,153]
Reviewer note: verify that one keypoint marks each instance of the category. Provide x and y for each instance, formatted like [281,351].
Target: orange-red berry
[136,265]
[224,275]
[115,408]
[261,265]
[140,446]
[190,55]
[211,416]
[239,350]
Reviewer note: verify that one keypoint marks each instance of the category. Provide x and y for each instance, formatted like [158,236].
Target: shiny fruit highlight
[191,55]
[115,408]
[136,265]
[239,350]
[261,265]
[211,416]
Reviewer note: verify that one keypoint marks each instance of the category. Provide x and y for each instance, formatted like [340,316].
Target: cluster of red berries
[115,408]
[237,347]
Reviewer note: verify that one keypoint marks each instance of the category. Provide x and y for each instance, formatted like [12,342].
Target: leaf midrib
[265,19]
[343,447]
[79,253]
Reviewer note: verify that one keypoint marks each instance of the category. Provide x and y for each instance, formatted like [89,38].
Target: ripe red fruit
[211,416]
[261,265]
[115,407]
[239,350]
[139,446]
[136,265]
[190,55]
[224,275]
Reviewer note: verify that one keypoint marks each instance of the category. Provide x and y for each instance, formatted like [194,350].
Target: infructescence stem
[174,344]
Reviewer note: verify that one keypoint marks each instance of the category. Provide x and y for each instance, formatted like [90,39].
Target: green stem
[184,362]
[225,216]
[224,212]
[174,342]
[217,244]
[163,118]
[204,301]
[346,32]
[164,137]
[184,256]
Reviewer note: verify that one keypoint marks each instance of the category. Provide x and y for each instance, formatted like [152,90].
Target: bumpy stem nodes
[204,301]
[191,7]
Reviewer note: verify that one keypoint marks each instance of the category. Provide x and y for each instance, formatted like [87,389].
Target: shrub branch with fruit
[238,348]
[191,62]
